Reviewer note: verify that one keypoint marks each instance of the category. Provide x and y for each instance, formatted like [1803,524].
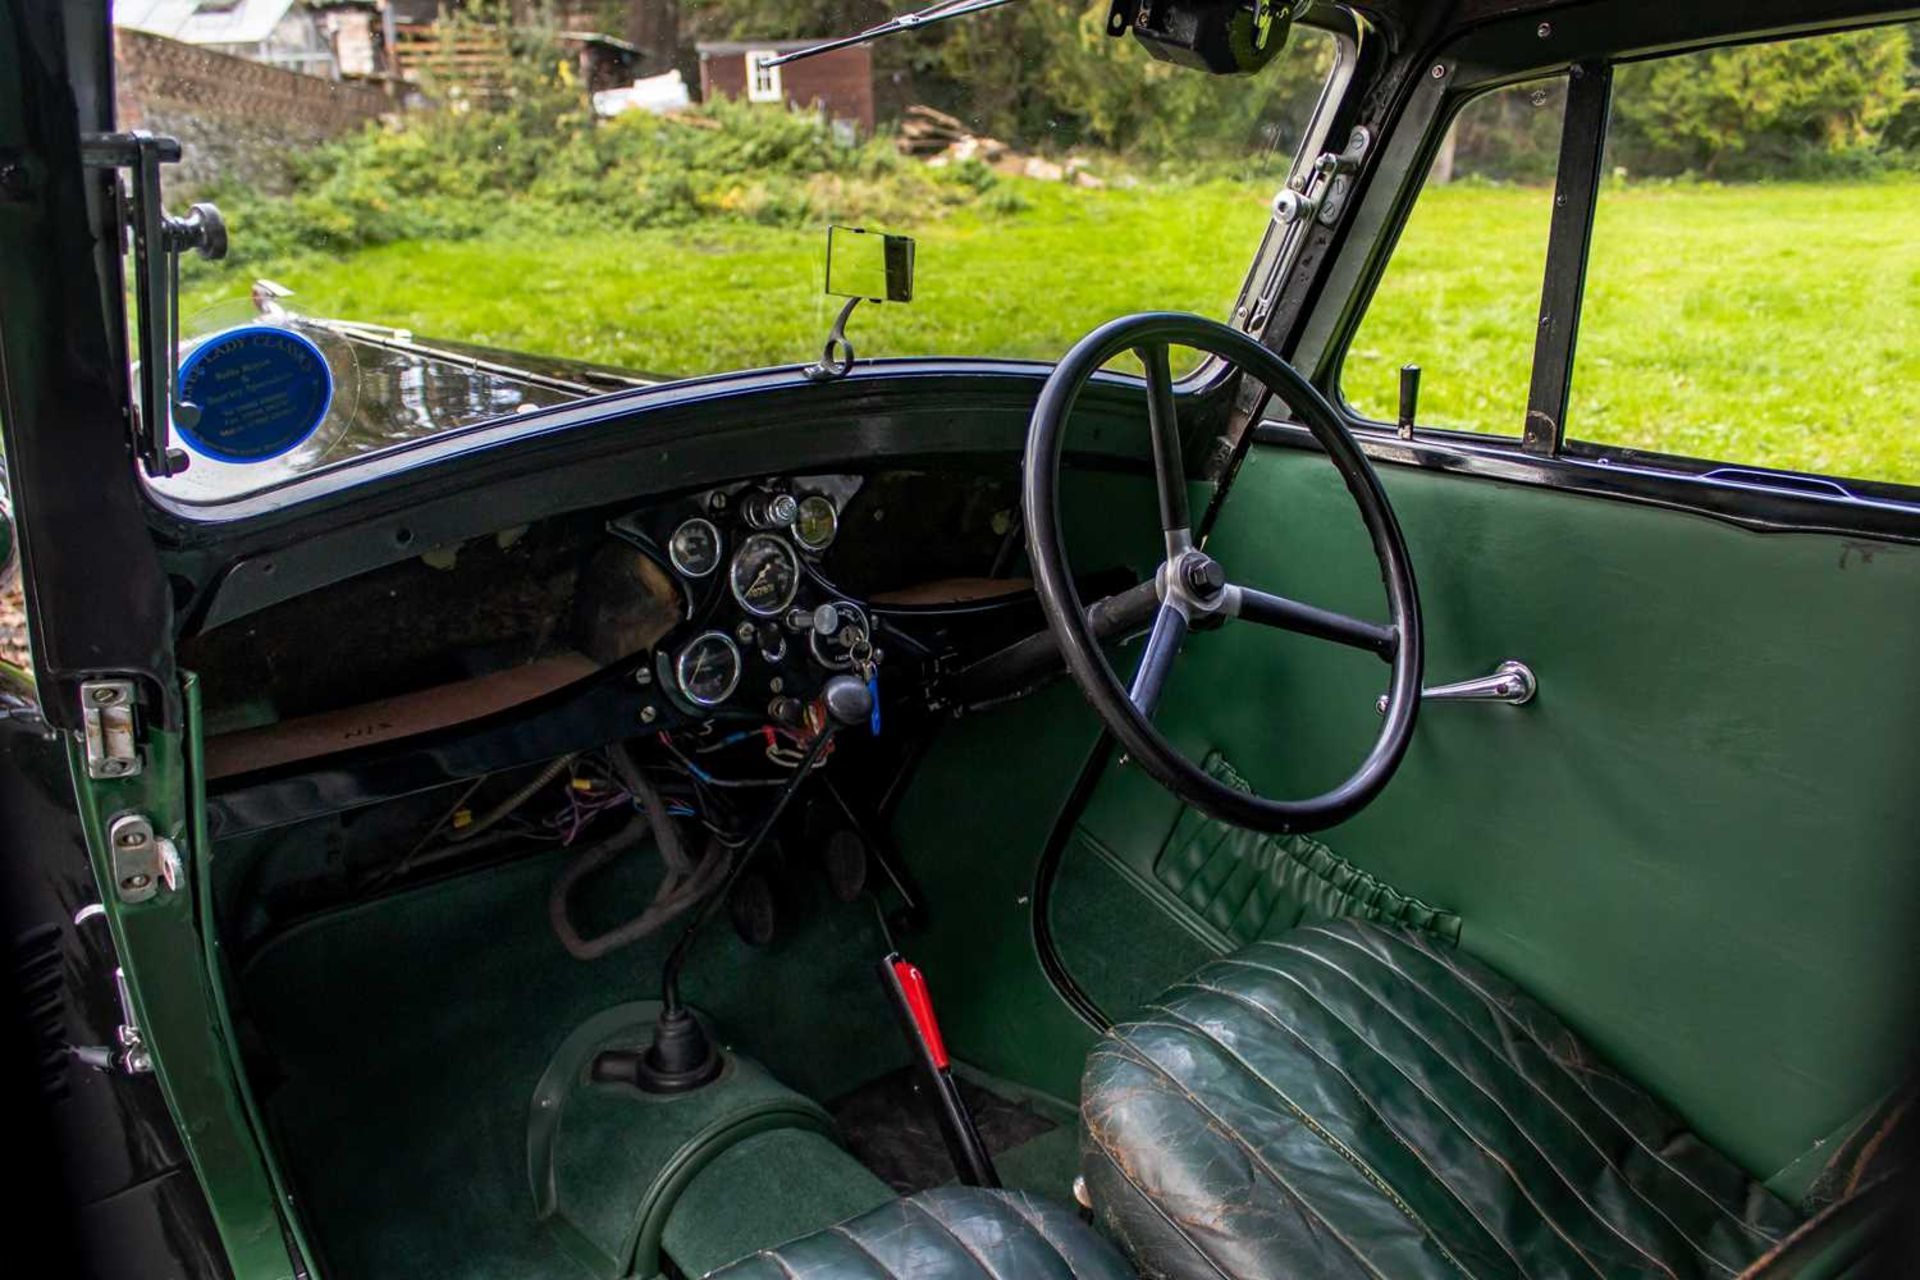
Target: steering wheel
[1193,590]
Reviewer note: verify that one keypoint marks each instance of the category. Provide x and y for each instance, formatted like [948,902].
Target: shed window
[763,81]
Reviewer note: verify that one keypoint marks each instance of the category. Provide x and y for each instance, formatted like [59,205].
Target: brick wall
[234,118]
[841,81]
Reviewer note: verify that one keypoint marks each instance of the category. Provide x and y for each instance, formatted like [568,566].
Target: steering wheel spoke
[1156,660]
[1270,610]
[1169,463]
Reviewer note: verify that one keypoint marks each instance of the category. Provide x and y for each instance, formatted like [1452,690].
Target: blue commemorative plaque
[261,392]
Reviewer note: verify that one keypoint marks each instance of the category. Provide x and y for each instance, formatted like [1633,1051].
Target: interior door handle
[1512,682]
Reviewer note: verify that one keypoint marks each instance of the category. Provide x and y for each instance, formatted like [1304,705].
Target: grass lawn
[1775,325]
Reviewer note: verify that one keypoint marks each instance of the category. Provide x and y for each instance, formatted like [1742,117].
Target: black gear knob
[848,699]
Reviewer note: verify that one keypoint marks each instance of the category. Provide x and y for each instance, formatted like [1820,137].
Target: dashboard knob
[849,700]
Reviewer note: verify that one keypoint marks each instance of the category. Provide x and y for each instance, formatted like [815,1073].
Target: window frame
[1453,107]
[775,90]
[1438,83]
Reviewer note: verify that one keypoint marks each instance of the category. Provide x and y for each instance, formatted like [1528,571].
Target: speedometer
[764,575]
[708,669]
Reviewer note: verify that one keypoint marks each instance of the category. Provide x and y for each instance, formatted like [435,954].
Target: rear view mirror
[870,265]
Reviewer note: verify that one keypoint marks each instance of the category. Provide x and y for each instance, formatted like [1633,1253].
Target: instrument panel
[764,627]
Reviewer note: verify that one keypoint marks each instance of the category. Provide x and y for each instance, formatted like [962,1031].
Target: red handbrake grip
[913,986]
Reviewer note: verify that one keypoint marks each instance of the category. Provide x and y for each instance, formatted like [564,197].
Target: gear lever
[682,1056]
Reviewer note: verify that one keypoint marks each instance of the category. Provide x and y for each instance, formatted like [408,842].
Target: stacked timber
[926,132]
[940,140]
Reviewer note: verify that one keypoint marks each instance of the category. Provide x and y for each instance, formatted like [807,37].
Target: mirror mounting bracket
[836,356]
[158,241]
[1222,37]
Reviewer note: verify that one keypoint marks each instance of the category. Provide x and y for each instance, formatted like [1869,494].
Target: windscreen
[509,207]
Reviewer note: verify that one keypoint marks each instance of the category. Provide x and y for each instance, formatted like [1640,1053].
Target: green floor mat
[405,1037]
[1046,1165]
[893,1126]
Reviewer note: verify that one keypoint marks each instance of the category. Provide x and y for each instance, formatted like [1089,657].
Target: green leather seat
[949,1233]
[1352,1100]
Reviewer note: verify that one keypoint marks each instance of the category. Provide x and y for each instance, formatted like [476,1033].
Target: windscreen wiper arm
[905,22]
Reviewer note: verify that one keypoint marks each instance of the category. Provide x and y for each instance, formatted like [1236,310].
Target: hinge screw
[1439,71]
[1544,30]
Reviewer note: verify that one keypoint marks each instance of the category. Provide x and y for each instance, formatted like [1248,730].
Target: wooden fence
[472,57]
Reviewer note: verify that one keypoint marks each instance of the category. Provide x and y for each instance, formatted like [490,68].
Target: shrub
[455,173]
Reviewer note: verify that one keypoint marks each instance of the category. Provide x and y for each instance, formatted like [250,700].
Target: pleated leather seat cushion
[1353,1100]
[949,1233]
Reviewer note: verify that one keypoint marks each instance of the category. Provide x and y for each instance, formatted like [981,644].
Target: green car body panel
[1559,828]
[177,993]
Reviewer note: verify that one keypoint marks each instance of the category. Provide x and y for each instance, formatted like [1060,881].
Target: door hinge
[1337,170]
[107,717]
[144,862]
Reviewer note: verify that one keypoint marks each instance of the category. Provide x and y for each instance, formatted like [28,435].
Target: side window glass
[1753,289]
[1462,291]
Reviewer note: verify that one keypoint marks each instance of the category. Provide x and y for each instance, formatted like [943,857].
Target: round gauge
[695,548]
[764,575]
[835,649]
[816,523]
[708,669]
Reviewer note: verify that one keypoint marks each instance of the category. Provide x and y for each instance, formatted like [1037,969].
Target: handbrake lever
[913,1004]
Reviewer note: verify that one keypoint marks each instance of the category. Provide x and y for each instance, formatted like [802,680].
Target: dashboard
[703,615]
[763,626]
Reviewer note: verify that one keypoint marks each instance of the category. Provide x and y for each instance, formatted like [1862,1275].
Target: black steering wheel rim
[1400,643]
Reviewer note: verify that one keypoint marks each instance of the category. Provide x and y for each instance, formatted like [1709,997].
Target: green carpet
[1121,947]
[404,1037]
[1046,1165]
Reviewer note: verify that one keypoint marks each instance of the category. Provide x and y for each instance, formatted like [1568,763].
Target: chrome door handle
[1512,682]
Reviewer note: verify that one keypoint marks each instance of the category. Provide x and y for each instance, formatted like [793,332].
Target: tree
[1759,110]
[1044,75]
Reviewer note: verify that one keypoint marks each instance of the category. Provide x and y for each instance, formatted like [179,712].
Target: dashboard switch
[771,510]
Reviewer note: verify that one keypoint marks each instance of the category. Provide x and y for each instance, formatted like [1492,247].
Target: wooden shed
[840,82]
